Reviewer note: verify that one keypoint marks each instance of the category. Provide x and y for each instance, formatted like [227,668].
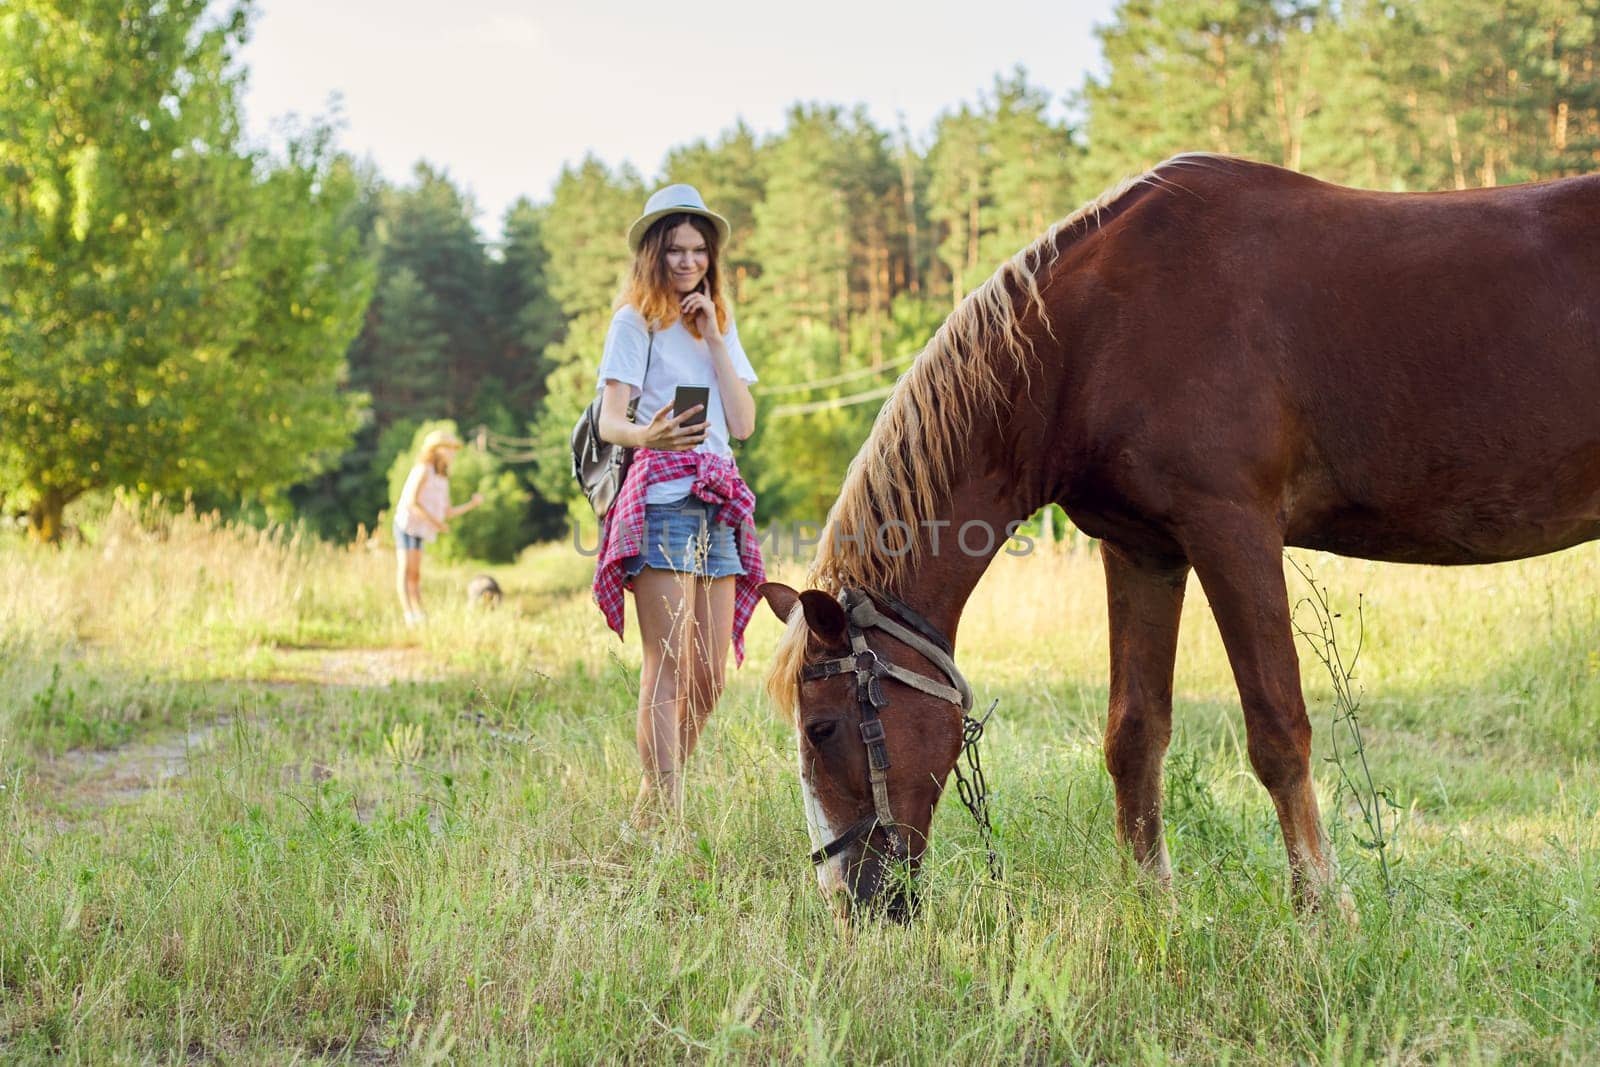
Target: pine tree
[999,174]
[829,239]
[411,350]
[802,239]
[914,262]
[1030,180]
[524,315]
[427,229]
[1492,93]
[958,180]
[872,184]
[1225,76]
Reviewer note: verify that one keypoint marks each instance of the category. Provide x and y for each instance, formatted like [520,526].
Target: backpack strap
[650,348]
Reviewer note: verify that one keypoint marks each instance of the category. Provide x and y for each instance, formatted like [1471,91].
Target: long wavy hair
[649,285]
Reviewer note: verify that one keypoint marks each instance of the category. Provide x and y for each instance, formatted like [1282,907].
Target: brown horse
[1215,360]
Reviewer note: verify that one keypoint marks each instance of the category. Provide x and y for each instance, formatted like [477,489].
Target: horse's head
[878,707]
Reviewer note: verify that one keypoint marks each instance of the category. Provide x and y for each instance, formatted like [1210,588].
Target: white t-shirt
[428,489]
[677,358]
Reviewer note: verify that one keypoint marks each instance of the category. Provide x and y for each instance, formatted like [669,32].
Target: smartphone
[687,396]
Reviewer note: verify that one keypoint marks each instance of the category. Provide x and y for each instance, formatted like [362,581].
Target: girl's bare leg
[401,586]
[664,604]
[414,579]
[713,635]
[408,580]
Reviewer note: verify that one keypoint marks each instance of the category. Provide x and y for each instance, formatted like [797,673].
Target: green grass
[224,834]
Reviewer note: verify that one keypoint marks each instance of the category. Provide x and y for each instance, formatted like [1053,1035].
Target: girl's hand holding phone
[668,433]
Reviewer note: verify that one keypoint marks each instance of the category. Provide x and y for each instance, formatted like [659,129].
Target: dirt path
[118,775]
[100,777]
[365,667]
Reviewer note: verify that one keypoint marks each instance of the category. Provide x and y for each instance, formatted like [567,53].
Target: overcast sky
[502,94]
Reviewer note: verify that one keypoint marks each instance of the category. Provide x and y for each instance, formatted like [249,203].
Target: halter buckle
[872,732]
[867,660]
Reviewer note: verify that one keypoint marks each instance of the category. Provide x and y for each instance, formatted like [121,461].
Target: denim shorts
[685,536]
[405,541]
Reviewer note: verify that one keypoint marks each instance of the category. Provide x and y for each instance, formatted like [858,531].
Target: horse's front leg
[1145,598]
[1238,557]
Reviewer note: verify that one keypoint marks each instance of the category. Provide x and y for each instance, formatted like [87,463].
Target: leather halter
[870,671]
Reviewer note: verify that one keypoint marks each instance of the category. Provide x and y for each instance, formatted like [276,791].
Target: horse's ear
[826,618]
[780,598]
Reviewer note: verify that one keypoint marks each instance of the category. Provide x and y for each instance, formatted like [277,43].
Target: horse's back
[1410,376]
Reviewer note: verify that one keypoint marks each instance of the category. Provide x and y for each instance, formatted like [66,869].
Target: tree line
[179,313]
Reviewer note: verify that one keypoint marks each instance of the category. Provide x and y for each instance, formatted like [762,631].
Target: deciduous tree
[174,309]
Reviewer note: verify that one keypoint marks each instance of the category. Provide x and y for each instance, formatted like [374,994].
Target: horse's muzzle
[881,888]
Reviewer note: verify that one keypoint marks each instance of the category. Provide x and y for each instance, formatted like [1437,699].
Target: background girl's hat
[440,439]
[670,201]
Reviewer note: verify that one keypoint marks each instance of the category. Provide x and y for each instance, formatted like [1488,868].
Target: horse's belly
[1424,504]
[1447,540]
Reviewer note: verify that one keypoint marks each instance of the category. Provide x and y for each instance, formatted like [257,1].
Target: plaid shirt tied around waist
[716,481]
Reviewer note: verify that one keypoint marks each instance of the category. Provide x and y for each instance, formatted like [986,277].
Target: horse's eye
[820,731]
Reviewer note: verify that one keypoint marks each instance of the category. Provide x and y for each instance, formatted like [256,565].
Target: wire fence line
[504,440]
[519,450]
[837,379]
[785,411]
[512,450]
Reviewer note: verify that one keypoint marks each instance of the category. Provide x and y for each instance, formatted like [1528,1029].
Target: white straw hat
[440,439]
[672,200]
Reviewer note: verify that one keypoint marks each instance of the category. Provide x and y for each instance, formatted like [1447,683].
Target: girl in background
[422,513]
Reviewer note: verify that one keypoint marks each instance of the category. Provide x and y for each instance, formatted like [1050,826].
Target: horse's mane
[906,468]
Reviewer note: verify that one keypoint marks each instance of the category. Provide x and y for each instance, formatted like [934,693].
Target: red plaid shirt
[716,481]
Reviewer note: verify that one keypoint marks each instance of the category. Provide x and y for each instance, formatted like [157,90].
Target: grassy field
[245,816]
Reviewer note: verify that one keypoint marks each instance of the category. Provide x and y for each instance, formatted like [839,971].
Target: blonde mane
[905,470]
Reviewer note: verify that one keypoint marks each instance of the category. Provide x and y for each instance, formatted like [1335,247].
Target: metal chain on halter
[975,793]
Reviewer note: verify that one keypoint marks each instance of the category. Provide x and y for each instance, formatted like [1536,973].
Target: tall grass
[433,869]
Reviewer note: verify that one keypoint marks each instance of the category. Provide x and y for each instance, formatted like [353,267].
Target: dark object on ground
[483,592]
